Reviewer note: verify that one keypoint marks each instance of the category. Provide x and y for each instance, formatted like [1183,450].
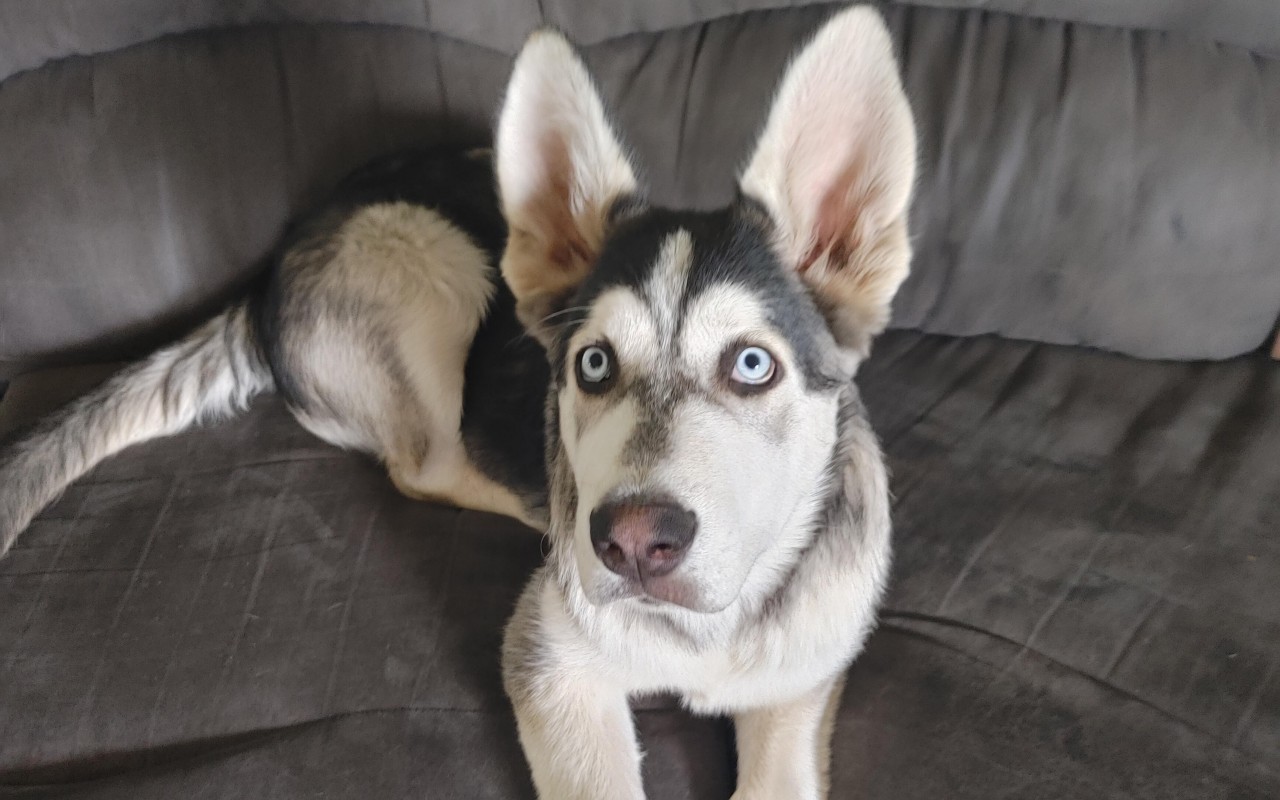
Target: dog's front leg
[575,724]
[579,738]
[785,750]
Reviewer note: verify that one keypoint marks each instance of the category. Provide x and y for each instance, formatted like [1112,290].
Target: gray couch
[1080,416]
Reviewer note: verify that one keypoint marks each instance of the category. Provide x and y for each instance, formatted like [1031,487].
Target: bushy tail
[210,374]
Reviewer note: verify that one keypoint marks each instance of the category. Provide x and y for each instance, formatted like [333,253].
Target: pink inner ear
[551,204]
[839,226]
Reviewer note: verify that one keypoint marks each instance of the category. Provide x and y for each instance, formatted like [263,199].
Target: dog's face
[696,400]
[698,358]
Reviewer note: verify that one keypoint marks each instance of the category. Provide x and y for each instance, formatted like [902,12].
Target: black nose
[641,538]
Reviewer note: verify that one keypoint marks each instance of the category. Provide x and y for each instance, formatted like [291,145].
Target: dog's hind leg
[425,453]
[413,427]
[451,478]
[785,750]
[382,330]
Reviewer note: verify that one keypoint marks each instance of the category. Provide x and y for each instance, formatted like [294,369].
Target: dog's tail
[210,374]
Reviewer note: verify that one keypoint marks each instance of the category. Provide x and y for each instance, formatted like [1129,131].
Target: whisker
[550,328]
[563,311]
[519,338]
[546,322]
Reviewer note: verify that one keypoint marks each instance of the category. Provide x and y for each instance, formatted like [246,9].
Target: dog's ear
[560,170]
[834,169]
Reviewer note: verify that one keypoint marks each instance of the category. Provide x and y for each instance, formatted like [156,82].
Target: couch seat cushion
[1085,604]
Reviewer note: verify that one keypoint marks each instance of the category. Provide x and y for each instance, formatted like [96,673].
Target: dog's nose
[640,538]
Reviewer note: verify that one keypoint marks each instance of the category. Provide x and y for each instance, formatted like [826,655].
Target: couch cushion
[31,35]
[1084,604]
[1078,184]
[1085,600]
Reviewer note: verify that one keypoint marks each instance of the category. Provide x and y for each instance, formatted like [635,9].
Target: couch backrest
[32,34]
[1079,184]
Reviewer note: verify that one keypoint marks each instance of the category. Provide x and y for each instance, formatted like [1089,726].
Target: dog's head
[699,359]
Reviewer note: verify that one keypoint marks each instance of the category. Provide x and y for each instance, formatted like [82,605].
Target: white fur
[667,282]
[722,449]
[210,374]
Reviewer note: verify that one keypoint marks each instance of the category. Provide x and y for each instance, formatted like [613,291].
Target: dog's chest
[762,664]
[727,687]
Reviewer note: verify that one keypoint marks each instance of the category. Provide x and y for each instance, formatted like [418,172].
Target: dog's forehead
[669,257]
[667,277]
[662,316]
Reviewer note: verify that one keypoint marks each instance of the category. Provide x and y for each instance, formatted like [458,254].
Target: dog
[667,394]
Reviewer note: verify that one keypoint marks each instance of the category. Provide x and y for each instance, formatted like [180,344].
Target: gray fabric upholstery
[1091,186]
[1079,184]
[1251,24]
[1084,604]
[144,186]
[31,35]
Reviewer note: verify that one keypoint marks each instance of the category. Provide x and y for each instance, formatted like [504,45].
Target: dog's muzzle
[644,540]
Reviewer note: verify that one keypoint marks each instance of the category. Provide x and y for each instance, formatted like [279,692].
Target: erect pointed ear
[834,169]
[560,170]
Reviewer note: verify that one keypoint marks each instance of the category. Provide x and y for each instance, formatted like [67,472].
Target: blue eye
[753,366]
[595,368]
[595,364]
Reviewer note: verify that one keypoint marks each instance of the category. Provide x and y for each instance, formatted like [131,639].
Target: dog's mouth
[654,593]
[669,590]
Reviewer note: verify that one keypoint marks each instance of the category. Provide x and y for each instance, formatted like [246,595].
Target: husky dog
[668,394]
